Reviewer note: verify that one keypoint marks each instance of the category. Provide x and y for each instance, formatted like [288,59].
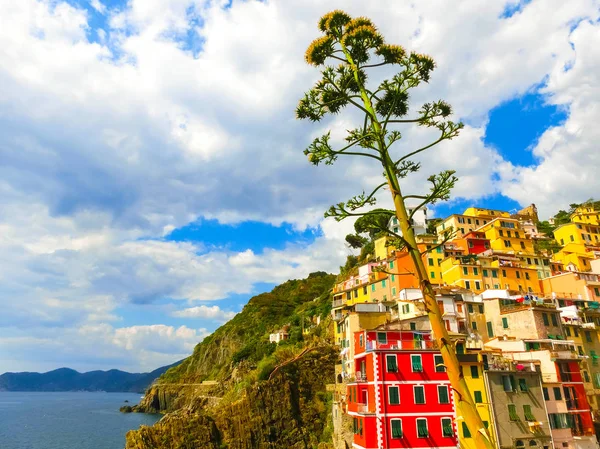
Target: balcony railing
[360,377]
[338,303]
[364,409]
[565,355]
[401,345]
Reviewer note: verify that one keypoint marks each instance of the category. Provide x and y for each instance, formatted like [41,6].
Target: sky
[152,177]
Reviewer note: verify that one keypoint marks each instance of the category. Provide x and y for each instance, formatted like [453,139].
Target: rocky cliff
[237,390]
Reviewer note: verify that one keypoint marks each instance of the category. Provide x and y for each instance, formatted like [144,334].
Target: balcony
[401,345]
[337,316]
[363,409]
[564,355]
[360,377]
[338,303]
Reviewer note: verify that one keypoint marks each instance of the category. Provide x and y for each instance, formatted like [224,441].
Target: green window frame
[393,291]
[470,308]
[523,384]
[512,413]
[494,273]
[382,338]
[528,413]
[393,277]
[474,372]
[557,393]
[505,322]
[391,363]
[383,283]
[391,264]
[373,287]
[416,363]
[465,430]
[438,361]
[394,395]
[466,271]
[554,319]
[485,273]
[396,425]
[419,393]
[447,430]
[490,329]
[478,397]
[475,271]
[432,274]
[430,261]
[545,319]
[422,430]
[443,395]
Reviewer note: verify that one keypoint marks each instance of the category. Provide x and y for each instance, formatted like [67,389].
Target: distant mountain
[65,379]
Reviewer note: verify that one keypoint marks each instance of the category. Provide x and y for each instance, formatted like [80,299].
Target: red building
[401,395]
[475,242]
[578,407]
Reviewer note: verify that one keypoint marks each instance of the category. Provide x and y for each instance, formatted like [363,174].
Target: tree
[352,44]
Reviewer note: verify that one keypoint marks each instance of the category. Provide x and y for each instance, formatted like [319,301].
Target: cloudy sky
[151,168]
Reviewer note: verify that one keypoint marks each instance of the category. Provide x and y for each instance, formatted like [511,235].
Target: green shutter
[545,319]
[396,428]
[528,414]
[417,366]
[557,393]
[439,364]
[512,412]
[392,365]
[419,395]
[394,395]
[447,427]
[554,320]
[474,372]
[465,429]
[505,323]
[490,329]
[443,394]
[422,431]
[382,338]
[523,384]
[478,397]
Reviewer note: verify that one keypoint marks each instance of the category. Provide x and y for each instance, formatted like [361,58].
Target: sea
[78,420]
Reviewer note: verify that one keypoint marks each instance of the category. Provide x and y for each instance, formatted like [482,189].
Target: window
[505,323]
[545,319]
[474,372]
[490,329]
[475,271]
[382,338]
[528,261]
[416,364]
[365,290]
[470,308]
[527,276]
[507,244]
[465,429]
[383,283]
[394,395]
[355,293]
[523,384]
[447,430]
[519,443]
[443,396]
[391,363]
[372,287]
[422,430]
[391,264]
[438,361]
[504,273]
[460,348]
[527,412]
[393,277]
[501,233]
[512,412]
[432,275]
[474,325]
[518,275]
[419,392]
[557,393]
[477,285]
[480,307]
[522,245]
[361,340]
[413,326]
[507,383]
[393,291]
[546,394]
[478,397]
[396,428]
[494,273]
[588,336]
[508,234]
[357,425]
[485,272]
[554,319]
[465,270]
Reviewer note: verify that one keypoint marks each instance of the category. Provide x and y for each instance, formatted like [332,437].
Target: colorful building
[401,396]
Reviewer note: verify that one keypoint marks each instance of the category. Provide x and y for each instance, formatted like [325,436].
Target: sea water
[80,420]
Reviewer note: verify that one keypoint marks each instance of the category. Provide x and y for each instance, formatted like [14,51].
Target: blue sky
[153,178]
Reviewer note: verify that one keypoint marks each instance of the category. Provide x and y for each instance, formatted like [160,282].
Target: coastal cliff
[239,391]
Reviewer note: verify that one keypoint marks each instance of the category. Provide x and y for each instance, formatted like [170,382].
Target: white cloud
[205,312]
[106,147]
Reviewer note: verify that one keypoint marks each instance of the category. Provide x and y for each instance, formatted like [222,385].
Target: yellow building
[580,242]
[578,233]
[586,214]
[472,369]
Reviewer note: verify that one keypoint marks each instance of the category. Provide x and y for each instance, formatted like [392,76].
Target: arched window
[519,443]
[532,443]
